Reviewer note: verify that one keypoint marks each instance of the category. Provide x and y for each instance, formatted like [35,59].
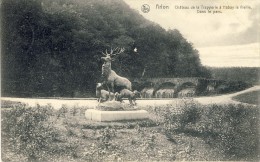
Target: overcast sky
[230,38]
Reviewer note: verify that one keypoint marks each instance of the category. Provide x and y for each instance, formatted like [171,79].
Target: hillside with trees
[249,75]
[53,47]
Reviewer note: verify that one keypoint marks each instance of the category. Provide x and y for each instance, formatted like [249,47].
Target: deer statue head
[113,52]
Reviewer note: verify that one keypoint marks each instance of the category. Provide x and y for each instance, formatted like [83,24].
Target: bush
[232,128]
[179,116]
[28,130]
[237,129]
[8,104]
[190,114]
[232,86]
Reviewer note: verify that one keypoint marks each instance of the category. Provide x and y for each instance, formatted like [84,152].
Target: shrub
[237,127]
[179,116]
[232,86]
[190,114]
[232,128]
[9,104]
[28,130]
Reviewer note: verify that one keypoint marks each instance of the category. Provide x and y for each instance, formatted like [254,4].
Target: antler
[121,50]
[113,50]
[103,53]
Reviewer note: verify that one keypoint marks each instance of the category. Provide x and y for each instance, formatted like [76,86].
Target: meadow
[250,97]
[188,131]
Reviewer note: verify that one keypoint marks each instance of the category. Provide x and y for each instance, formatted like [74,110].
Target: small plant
[105,136]
[105,148]
[73,111]
[62,111]
[148,146]
[70,132]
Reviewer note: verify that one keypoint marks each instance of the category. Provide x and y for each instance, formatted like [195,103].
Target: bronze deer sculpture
[102,94]
[110,77]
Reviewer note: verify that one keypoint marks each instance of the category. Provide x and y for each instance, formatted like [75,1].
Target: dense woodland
[249,75]
[53,47]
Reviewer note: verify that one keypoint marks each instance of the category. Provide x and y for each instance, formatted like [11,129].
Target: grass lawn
[250,97]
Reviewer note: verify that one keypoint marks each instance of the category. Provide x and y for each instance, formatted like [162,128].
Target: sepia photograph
[130,80]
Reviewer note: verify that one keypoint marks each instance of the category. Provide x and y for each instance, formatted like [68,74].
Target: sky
[226,39]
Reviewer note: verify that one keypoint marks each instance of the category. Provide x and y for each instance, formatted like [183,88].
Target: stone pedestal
[111,106]
[99,115]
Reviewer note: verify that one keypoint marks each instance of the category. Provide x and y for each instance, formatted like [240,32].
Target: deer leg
[109,93]
[130,101]
[108,88]
[134,101]
[112,87]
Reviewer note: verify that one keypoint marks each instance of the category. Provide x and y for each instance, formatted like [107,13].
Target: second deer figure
[111,79]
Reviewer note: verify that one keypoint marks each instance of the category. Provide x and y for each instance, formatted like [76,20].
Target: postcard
[130,80]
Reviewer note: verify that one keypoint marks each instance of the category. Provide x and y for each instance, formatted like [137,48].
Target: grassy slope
[250,97]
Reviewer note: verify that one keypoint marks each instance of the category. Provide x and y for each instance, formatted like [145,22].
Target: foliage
[232,86]
[105,147]
[28,130]
[34,132]
[62,111]
[105,136]
[220,87]
[9,104]
[177,116]
[190,114]
[231,128]
[249,75]
[185,131]
[53,47]
[237,129]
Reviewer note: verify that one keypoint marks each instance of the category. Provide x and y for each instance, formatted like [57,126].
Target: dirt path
[92,103]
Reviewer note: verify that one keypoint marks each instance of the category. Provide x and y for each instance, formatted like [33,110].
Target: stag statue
[111,79]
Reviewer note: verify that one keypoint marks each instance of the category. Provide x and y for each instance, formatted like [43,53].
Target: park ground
[92,102]
[199,129]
